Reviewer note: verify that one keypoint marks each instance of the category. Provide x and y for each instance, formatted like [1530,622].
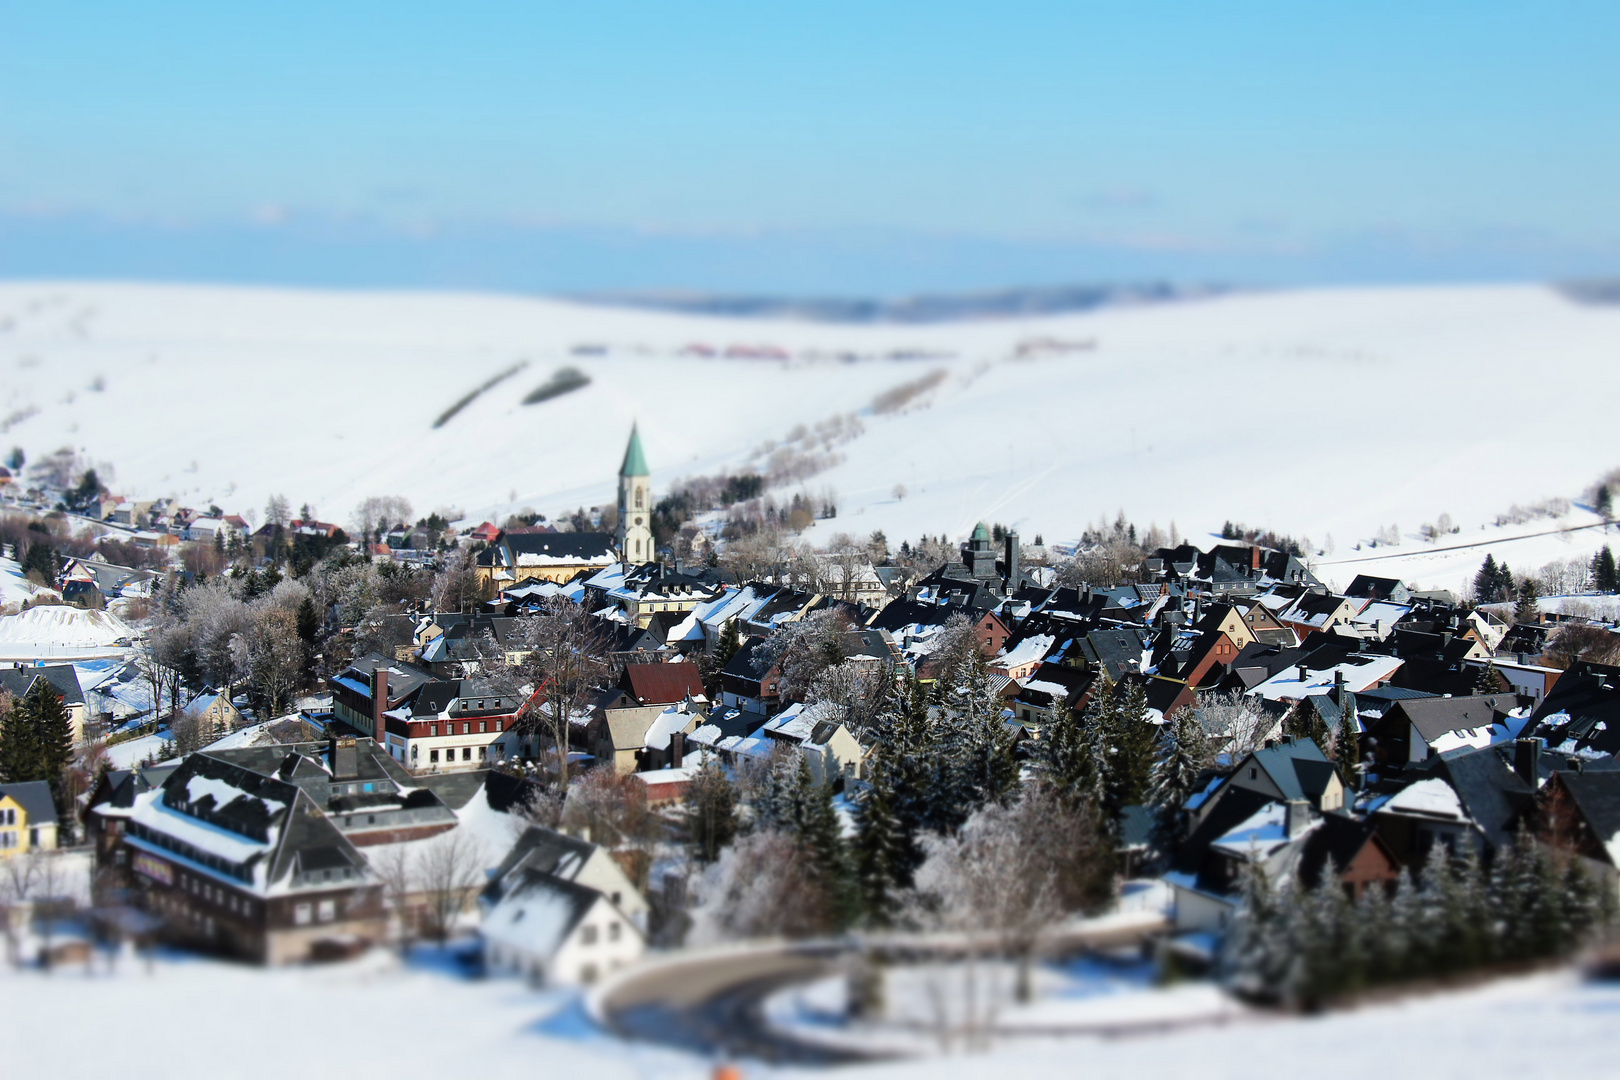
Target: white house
[560,909]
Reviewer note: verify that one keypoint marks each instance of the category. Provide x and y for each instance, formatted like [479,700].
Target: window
[587,935]
[481,728]
[433,756]
[613,931]
[301,915]
[1253,773]
[466,753]
[587,974]
[466,729]
[8,817]
[328,910]
[8,840]
[433,729]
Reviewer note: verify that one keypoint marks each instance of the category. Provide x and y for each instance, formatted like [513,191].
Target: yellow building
[27,818]
[559,557]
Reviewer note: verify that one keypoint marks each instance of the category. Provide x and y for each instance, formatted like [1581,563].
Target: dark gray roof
[62,677]
[34,796]
[1297,766]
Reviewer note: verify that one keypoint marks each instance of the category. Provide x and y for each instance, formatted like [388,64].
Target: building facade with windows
[27,818]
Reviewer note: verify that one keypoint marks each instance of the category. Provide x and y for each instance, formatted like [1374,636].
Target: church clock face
[638,521]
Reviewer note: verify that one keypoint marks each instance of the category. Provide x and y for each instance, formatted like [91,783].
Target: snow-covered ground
[379,1017]
[63,632]
[15,588]
[1318,413]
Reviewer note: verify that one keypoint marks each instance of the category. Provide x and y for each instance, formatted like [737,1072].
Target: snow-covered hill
[1317,413]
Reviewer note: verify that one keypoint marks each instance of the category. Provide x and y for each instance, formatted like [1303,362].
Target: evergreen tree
[726,646]
[882,852]
[1604,504]
[19,746]
[1136,738]
[1493,583]
[1305,722]
[53,732]
[978,747]
[1604,576]
[1183,755]
[822,839]
[309,621]
[41,557]
[774,803]
[1253,959]
[1525,609]
[711,811]
[1346,753]
[1066,756]
[1485,681]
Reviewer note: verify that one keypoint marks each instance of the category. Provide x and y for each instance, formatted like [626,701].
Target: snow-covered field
[379,1017]
[1318,413]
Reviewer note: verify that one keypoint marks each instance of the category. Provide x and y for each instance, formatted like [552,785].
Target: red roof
[663,684]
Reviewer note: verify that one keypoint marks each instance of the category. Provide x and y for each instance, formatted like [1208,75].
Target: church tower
[635,504]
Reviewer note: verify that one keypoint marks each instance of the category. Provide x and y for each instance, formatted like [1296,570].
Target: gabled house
[246,863]
[1415,729]
[1367,587]
[59,679]
[751,679]
[662,684]
[1578,812]
[27,818]
[554,931]
[834,754]
[1582,711]
[1293,770]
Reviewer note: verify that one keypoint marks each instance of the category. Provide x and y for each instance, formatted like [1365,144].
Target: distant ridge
[921,308]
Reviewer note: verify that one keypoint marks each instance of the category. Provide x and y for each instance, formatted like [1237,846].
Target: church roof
[980,532]
[635,462]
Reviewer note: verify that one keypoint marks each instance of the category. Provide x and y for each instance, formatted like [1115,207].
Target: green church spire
[635,462]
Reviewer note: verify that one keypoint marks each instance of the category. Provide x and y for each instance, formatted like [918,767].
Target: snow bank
[62,627]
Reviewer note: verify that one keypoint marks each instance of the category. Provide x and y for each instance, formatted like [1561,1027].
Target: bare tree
[277,511]
[451,866]
[565,658]
[269,657]
[394,866]
[762,886]
[1012,872]
[613,807]
[1236,723]
[456,586]
[379,511]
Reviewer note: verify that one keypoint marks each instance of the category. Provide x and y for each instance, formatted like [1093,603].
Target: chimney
[1304,674]
[345,758]
[677,749]
[1296,817]
[379,704]
[1527,761]
[1012,561]
[1254,557]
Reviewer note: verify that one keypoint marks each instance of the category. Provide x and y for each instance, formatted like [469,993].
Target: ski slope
[1327,413]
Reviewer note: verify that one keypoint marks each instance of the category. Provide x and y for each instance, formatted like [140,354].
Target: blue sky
[831,147]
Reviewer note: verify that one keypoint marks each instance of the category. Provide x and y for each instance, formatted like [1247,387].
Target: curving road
[713,1003]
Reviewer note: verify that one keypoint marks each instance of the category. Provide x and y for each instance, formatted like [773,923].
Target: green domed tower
[635,503]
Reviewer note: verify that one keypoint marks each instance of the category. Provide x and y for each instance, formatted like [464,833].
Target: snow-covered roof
[1428,798]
